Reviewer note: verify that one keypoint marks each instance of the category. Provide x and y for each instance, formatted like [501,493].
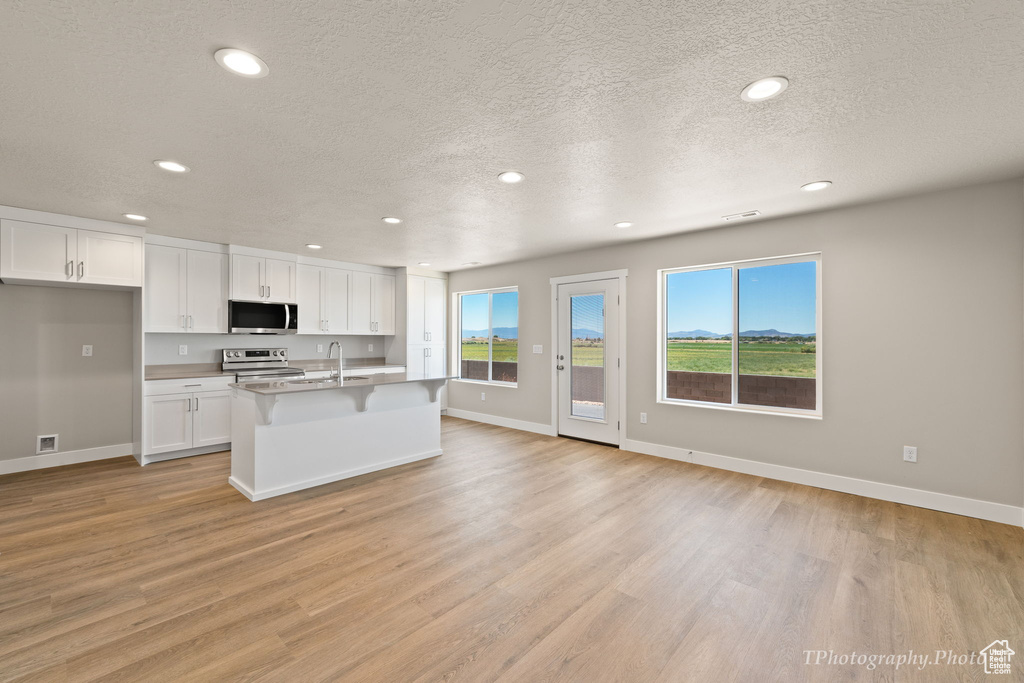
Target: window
[744,335]
[489,324]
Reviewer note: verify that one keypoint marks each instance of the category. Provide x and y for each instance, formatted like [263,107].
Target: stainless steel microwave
[262,317]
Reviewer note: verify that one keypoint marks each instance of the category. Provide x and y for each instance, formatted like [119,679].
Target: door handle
[81,269]
[69,269]
[190,323]
[197,404]
[560,367]
[188,403]
[262,289]
[268,291]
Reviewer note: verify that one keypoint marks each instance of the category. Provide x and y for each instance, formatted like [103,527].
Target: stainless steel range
[256,364]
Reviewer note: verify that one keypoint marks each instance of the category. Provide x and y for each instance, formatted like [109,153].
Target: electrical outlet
[483,396]
[87,350]
[183,350]
[319,348]
[643,418]
[910,453]
[538,348]
[369,347]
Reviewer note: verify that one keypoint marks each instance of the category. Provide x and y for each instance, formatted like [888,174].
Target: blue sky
[588,312]
[780,297]
[474,310]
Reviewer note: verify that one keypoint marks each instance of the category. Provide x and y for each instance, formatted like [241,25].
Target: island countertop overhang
[280,387]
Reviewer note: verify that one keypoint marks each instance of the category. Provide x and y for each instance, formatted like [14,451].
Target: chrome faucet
[330,354]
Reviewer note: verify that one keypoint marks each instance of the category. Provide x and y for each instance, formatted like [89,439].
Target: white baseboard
[522,425]
[327,479]
[187,453]
[969,507]
[39,462]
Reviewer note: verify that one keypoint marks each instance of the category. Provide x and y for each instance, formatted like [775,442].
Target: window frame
[735,405]
[490,335]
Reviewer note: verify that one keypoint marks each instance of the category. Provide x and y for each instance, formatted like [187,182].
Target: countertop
[278,387]
[197,370]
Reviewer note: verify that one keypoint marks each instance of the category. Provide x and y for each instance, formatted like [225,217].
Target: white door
[211,418]
[360,310]
[433,310]
[384,304]
[207,292]
[168,423]
[336,285]
[33,251]
[247,278]
[587,360]
[166,290]
[417,328]
[280,281]
[309,295]
[108,259]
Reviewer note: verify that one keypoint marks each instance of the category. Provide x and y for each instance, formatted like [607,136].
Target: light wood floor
[513,556]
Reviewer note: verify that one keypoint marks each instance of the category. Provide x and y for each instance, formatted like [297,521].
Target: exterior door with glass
[587,360]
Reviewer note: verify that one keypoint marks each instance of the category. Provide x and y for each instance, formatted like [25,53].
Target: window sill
[804,414]
[484,382]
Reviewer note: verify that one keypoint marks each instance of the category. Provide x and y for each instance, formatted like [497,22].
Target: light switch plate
[319,348]
[538,348]
[183,350]
[369,347]
[87,350]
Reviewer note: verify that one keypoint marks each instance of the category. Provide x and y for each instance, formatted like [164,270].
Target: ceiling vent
[740,216]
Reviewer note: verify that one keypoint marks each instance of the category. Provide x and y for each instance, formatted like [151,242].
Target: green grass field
[756,358]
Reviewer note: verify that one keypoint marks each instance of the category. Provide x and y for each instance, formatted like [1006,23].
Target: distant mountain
[696,333]
[584,333]
[773,333]
[503,332]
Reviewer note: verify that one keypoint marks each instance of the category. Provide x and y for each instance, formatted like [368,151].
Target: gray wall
[923,341]
[47,386]
[162,349]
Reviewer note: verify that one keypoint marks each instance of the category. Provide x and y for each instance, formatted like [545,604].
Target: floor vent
[46,443]
[738,216]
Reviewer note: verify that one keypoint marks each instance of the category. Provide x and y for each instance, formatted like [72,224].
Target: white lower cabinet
[186,415]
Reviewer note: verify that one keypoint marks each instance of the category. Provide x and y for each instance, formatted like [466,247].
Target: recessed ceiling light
[472,263]
[816,185]
[134,216]
[422,263]
[623,224]
[241,63]
[392,220]
[764,89]
[313,246]
[511,177]
[172,166]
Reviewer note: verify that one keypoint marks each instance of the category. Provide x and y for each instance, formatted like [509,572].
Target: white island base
[288,436]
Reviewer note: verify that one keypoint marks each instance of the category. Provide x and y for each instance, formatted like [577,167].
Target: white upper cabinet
[186,290]
[336,300]
[309,283]
[166,305]
[35,252]
[372,309]
[415,317]
[207,292]
[105,258]
[255,278]
[384,304]
[361,309]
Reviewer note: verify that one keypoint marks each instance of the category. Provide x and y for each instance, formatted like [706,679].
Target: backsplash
[162,349]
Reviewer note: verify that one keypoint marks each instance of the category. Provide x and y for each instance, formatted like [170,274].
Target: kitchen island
[292,435]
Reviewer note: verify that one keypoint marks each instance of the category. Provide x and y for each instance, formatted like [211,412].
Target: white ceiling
[613,110]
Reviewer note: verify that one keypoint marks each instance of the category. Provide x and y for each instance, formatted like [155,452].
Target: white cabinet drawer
[160,387]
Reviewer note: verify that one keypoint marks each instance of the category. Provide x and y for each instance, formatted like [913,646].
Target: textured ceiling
[613,110]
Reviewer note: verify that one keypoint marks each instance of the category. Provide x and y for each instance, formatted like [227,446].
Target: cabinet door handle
[268,291]
[188,404]
[190,325]
[197,404]
[81,269]
[183,322]
[69,269]
[261,291]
